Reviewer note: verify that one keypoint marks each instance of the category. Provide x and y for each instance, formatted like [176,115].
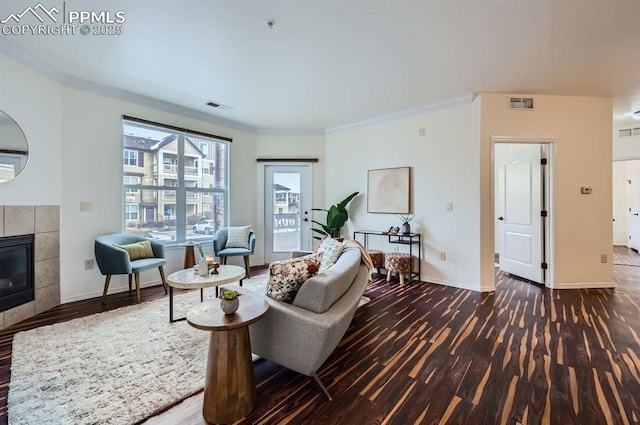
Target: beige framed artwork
[389,190]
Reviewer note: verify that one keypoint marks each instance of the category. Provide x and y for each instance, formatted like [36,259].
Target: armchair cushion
[286,277]
[138,250]
[238,237]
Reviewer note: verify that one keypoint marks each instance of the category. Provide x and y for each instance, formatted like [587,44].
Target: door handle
[636,214]
[500,218]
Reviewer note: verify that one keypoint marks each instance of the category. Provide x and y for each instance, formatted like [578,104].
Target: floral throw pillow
[330,249]
[286,277]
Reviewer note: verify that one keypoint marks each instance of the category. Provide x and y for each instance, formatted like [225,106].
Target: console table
[409,239]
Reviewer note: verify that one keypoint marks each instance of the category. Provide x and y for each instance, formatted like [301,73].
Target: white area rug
[117,367]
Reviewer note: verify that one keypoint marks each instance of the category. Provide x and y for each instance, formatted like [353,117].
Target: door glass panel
[286,211]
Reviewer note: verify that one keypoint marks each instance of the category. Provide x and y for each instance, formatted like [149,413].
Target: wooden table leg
[229,389]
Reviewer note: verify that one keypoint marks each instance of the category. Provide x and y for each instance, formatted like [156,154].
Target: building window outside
[173,192]
[130,157]
[131,212]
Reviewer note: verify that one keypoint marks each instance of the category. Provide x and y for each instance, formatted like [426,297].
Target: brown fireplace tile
[47,297]
[47,218]
[47,245]
[19,220]
[46,272]
[20,313]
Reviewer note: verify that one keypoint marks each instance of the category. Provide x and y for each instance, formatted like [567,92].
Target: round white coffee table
[187,279]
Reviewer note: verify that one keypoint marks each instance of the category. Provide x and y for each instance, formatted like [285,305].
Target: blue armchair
[221,250]
[112,259]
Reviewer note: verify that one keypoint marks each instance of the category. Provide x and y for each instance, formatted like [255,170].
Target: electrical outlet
[603,258]
[449,206]
[88,264]
[442,256]
[86,206]
[421,132]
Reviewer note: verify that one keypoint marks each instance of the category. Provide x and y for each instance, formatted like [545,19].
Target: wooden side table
[229,388]
[189,256]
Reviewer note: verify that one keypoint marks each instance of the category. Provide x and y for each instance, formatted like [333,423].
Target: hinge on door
[544,266]
[543,213]
[543,161]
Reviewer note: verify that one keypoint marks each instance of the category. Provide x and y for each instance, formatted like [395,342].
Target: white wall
[581,129]
[92,169]
[33,102]
[445,168]
[626,148]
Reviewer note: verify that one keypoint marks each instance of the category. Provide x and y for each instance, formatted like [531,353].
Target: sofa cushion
[138,250]
[330,249]
[238,237]
[286,277]
[319,292]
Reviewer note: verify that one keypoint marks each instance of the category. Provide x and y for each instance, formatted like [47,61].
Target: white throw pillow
[238,237]
[331,249]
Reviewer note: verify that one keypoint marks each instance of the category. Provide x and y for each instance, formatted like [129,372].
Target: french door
[287,210]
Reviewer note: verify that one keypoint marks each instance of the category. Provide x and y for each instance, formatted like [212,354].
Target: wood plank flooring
[429,354]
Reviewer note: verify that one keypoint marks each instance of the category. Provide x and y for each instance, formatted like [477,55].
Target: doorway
[287,218]
[522,186]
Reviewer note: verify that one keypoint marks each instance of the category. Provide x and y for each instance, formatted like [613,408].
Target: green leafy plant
[200,250]
[229,294]
[337,216]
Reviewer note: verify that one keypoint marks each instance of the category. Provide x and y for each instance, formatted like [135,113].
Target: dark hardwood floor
[428,354]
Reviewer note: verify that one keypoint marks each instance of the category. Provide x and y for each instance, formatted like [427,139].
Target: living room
[74,131]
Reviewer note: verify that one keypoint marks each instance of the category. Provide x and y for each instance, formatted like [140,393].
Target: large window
[166,188]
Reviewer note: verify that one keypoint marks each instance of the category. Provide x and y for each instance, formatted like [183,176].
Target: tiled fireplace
[42,222]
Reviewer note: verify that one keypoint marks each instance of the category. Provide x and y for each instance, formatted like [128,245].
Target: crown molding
[429,107]
[11,51]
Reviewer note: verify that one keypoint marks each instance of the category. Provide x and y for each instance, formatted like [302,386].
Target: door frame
[549,232]
[261,228]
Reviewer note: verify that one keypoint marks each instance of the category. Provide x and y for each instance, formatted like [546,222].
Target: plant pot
[406,228]
[229,306]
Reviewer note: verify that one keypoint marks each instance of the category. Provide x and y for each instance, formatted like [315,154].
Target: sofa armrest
[296,254]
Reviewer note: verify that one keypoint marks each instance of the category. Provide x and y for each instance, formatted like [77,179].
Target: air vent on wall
[521,103]
[626,132]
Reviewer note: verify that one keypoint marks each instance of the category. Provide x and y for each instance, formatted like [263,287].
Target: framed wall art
[389,190]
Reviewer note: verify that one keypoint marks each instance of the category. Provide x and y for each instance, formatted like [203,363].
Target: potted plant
[406,219]
[229,301]
[337,216]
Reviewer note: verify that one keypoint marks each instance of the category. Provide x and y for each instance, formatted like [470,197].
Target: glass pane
[205,214]
[286,212]
[149,215]
[205,159]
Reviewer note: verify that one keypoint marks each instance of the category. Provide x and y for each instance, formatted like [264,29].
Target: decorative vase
[203,267]
[229,306]
[406,228]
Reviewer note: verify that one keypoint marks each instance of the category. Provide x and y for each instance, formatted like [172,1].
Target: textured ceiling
[330,63]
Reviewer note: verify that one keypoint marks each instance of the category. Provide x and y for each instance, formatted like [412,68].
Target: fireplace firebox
[16,271]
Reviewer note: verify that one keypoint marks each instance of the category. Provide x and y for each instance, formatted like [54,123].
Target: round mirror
[14,150]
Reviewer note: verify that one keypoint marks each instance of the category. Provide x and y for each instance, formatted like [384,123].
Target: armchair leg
[223,260]
[164,281]
[247,267]
[322,387]
[130,277]
[106,287]
[138,287]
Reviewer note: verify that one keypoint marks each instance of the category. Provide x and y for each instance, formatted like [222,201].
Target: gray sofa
[301,336]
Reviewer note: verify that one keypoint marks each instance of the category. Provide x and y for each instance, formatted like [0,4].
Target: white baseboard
[584,285]
[460,285]
[112,290]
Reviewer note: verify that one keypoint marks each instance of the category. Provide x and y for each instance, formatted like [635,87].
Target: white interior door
[633,197]
[287,210]
[520,177]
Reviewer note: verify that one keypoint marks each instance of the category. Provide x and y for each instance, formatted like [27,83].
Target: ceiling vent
[521,103]
[627,132]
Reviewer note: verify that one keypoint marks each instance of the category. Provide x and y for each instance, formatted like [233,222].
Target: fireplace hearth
[16,271]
